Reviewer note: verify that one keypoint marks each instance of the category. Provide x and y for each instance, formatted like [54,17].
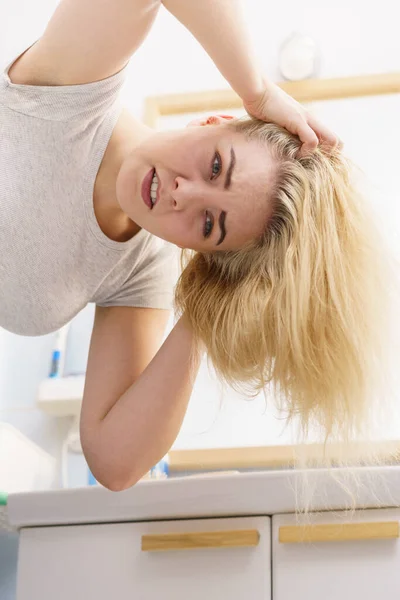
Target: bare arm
[135,398]
[219,27]
[85,41]
[88,40]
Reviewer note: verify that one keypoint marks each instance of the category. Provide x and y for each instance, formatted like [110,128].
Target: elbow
[113,486]
[112,478]
[117,485]
[106,472]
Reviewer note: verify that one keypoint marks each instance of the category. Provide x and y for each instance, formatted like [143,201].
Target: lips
[146,185]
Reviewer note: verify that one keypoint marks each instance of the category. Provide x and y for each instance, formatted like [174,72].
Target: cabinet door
[345,558]
[206,559]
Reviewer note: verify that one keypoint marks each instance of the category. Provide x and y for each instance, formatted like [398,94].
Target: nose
[188,194]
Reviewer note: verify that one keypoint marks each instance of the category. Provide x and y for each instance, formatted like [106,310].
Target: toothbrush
[57,359]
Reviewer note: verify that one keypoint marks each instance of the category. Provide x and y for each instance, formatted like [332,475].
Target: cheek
[185,157]
[180,230]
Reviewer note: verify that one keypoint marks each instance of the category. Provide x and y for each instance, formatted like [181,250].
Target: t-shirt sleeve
[152,284]
[61,103]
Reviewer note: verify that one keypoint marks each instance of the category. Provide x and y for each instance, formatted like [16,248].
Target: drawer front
[197,559]
[337,556]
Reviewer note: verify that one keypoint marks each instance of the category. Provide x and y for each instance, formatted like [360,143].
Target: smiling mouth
[154,195]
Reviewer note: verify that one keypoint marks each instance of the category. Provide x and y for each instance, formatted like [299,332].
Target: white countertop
[241,494]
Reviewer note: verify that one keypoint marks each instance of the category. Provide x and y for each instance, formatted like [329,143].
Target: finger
[308,138]
[324,134]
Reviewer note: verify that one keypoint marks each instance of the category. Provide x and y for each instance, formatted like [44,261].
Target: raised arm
[219,27]
[88,40]
[85,41]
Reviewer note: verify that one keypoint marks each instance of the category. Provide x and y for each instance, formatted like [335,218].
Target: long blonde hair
[303,308]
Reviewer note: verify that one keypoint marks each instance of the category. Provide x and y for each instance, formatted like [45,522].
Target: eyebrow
[227,184]
[228,178]
[221,222]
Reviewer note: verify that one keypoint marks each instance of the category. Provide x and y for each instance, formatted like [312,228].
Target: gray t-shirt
[54,258]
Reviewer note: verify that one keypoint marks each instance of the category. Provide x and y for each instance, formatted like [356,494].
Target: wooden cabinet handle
[200,539]
[384,530]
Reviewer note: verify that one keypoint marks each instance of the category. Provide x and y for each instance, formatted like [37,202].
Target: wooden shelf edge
[270,457]
[307,90]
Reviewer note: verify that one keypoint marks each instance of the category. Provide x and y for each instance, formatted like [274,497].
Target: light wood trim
[151,112]
[293,534]
[209,100]
[312,90]
[200,539]
[273,457]
[307,90]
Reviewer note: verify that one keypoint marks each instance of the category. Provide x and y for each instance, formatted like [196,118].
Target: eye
[216,166]
[209,223]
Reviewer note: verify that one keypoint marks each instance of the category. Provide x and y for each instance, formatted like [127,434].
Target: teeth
[153,189]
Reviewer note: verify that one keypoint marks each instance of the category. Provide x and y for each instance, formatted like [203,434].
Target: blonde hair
[303,307]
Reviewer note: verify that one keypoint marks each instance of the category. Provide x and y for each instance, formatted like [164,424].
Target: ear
[212,120]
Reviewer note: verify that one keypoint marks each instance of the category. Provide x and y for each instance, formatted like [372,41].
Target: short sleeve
[152,284]
[61,103]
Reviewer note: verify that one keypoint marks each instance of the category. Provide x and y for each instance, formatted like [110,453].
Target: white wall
[354,37]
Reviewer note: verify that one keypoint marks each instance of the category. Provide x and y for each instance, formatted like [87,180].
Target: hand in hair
[274,105]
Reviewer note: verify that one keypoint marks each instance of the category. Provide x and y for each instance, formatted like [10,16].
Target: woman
[280,249]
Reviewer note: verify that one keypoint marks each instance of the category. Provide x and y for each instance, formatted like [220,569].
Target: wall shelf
[61,396]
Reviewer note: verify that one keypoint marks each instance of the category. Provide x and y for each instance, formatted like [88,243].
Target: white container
[24,466]
[61,396]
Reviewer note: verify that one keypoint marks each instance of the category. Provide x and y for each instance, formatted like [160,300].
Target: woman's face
[212,189]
